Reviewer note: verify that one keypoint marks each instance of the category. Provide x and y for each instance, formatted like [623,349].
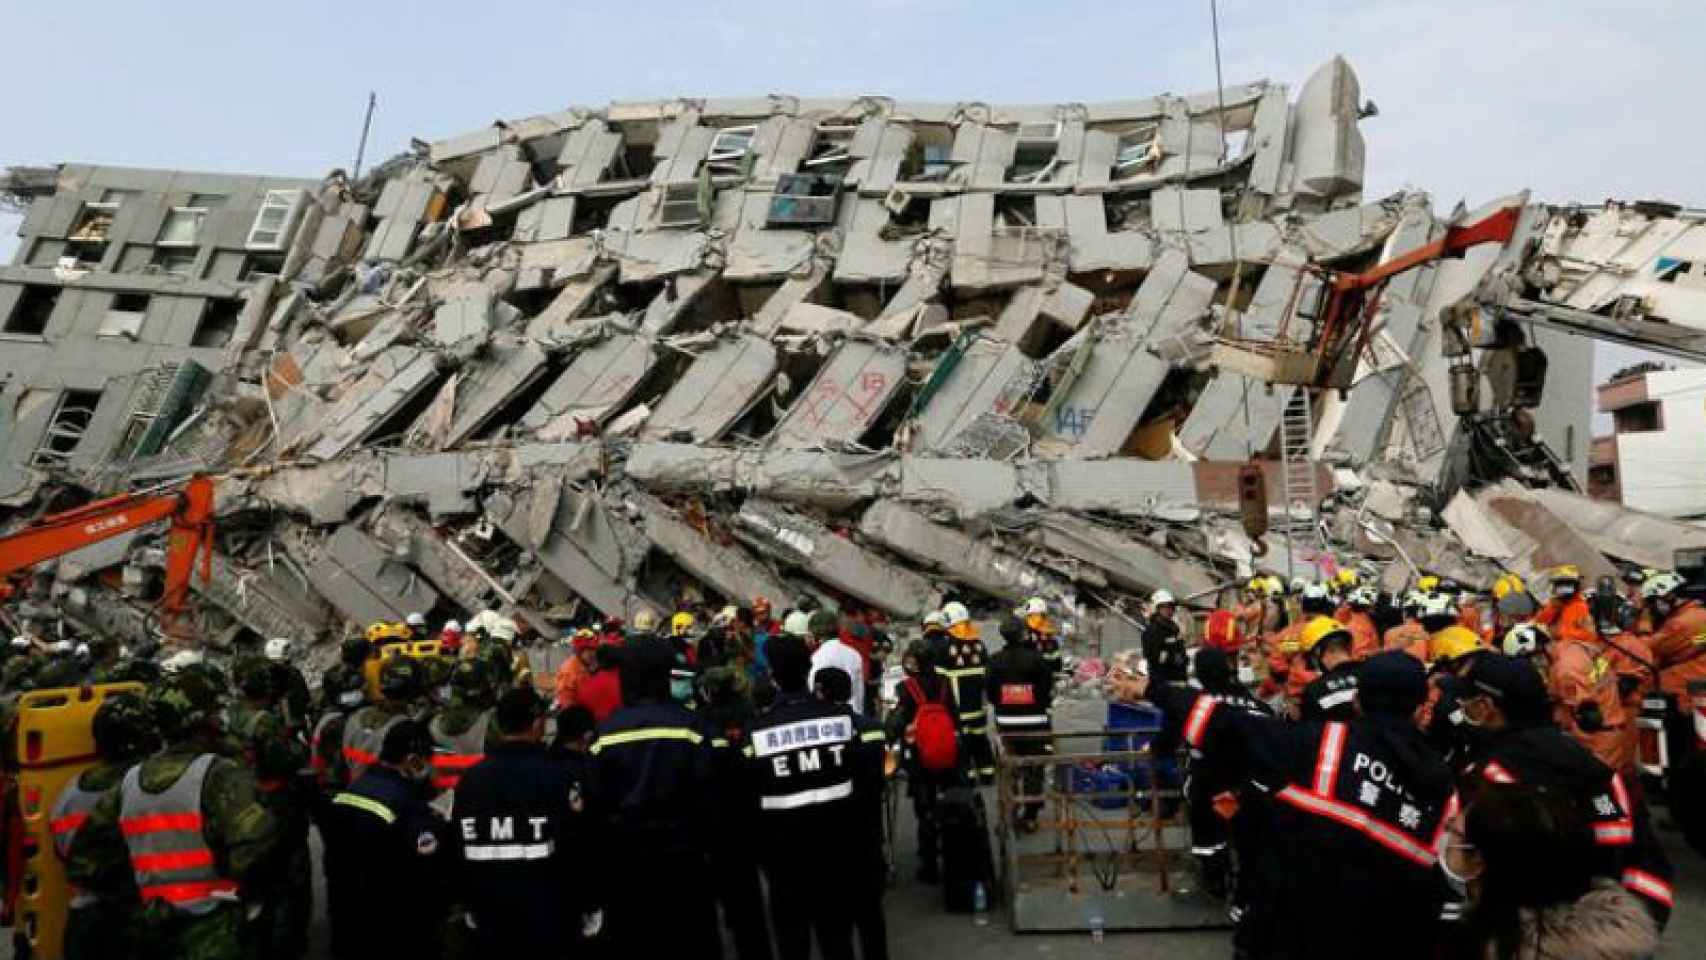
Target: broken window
[32,311]
[636,161]
[94,223]
[1015,211]
[832,145]
[182,227]
[65,431]
[1035,153]
[218,323]
[177,261]
[729,148]
[804,199]
[1137,151]
[1668,269]
[1639,417]
[683,205]
[274,221]
[124,316]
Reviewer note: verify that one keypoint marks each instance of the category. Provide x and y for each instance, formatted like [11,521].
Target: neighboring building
[128,291]
[1656,458]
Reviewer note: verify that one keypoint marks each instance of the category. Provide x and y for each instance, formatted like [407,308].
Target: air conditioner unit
[275,221]
[1045,132]
[804,199]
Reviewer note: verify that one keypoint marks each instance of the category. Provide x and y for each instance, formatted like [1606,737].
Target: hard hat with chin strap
[1453,642]
[1318,630]
[1661,585]
[1526,639]
[1161,598]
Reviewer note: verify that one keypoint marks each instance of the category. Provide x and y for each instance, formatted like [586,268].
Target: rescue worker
[870,880]
[1506,701]
[499,653]
[341,694]
[684,673]
[1252,613]
[727,714]
[1021,689]
[1512,604]
[1358,811]
[417,625]
[1530,642]
[809,759]
[1631,654]
[1586,700]
[276,754]
[186,829]
[963,664]
[462,732]
[389,857]
[922,685]
[828,649]
[518,824]
[933,629]
[352,659]
[1409,635]
[402,687]
[1163,642]
[1288,672]
[645,626]
[295,700]
[1326,645]
[1679,636]
[1044,632]
[1356,615]
[601,693]
[651,770]
[124,734]
[1441,718]
[450,638]
[582,664]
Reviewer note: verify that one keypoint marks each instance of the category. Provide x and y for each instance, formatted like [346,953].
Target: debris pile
[854,351]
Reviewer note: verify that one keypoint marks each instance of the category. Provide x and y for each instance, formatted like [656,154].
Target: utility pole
[366,122]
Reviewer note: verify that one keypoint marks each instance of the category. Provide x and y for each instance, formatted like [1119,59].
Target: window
[207,201]
[177,261]
[182,227]
[94,223]
[729,148]
[1035,153]
[1137,151]
[119,198]
[831,145]
[681,206]
[261,265]
[804,199]
[1015,211]
[1639,417]
[218,323]
[65,431]
[32,311]
[124,316]
[275,220]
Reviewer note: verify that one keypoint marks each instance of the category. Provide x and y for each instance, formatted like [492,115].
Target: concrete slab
[832,558]
[364,581]
[719,386]
[953,555]
[849,393]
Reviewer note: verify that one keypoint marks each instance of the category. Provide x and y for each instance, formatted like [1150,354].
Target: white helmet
[1315,591]
[1436,604]
[1160,597]
[20,642]
[503,628]
[62,647]
[1363,597]
[1034,607]
[179,661]
[935,619]
[280,648]
[955,613]
[724,617]
[1525,639]
[797,623]
[452,626]
[1661,585]
[415,620]
[82,651]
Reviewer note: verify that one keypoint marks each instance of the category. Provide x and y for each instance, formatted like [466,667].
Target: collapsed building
[851,351]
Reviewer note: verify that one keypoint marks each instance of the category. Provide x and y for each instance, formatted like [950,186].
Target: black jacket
[389,864]
[1164,649]
[520,833]
[1357,812]
[1020,687]
[1332,695]
[651,770]
[811,766]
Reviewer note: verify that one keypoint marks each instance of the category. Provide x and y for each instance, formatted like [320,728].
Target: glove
[1589,717]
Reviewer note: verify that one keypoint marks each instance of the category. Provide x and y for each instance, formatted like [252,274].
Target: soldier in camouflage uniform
[342,692]
[295,700]
[402,692]
[277,754]
[26,659]
[463,732]
[187,829]
[96,924]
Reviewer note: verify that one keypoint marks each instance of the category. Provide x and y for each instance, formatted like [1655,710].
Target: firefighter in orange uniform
[1584,685]
[1365,638]
[1679,639]
[1409,636]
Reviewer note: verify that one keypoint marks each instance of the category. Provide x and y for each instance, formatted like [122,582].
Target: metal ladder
[1302,500]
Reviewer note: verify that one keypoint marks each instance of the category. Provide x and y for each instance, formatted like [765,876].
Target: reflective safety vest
[453,754]
[965,672]
[362,744]
[70,812]
[168,854]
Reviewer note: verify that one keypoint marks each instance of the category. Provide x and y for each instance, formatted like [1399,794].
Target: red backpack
[933,731]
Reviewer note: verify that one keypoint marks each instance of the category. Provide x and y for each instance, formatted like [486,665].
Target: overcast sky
[1572,99]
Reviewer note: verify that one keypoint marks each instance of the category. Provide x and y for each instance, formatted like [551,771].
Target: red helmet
[584,639]
[1222,632]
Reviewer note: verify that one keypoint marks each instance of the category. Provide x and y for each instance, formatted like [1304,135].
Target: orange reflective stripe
[1496,773]
[1452,807]
[1196,723]
[1649,886]
[355,755]
[456,761]
[186,892]
[180,860]
[1373,828]
[161,823]
[1327,760]
[67,823]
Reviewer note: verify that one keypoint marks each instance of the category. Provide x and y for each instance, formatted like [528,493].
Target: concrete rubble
[848,351]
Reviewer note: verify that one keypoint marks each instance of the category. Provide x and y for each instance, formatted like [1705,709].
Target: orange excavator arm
[188,507]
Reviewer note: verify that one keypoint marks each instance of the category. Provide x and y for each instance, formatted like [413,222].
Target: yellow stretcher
[55,742]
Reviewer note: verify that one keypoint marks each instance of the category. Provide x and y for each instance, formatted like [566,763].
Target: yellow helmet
[1506,585]
[1347,577]
[1453,642]
[1567,571]
[1427,584]
[681,624]
[1319,629]
[378,631]
[1257,585]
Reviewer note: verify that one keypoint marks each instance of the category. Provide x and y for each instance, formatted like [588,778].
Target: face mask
[1246,674]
